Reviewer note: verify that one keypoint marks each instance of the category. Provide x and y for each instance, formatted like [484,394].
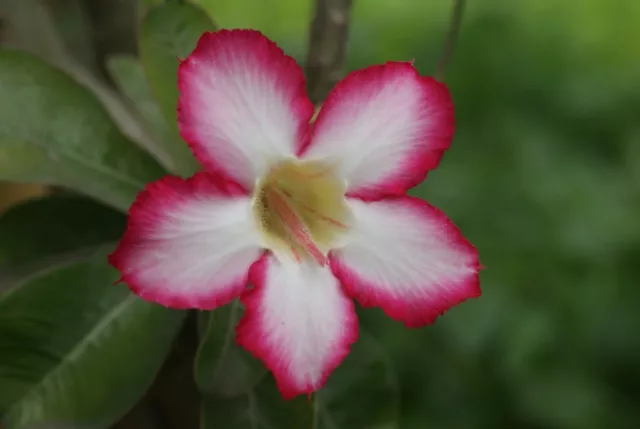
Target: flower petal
[407,257]
[242,103]
[189,243]
[298,321]
[385,126]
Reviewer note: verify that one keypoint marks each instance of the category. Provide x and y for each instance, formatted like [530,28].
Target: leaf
[75,349]
[33,28]
[53,131]
[129,75]
[168,33]
[261,408]
[361,393]
[221,366]
[38,230]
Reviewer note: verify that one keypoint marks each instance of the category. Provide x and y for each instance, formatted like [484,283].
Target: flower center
[301,209]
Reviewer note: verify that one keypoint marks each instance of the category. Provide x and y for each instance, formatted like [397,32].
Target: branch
[115,27]
[452,37]
[327,46]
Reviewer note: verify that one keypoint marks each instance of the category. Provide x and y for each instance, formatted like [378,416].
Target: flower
[310,215]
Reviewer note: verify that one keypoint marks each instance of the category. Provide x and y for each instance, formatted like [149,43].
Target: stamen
[296,255]
[315,212]
[302,209]
[294,225]
[323,217]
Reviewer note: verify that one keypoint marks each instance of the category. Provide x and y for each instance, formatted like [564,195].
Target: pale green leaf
[128,74]
[53,131]
[168,33]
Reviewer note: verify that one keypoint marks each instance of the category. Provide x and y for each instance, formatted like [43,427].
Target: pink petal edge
[434,122]
[279,97]
[250,336]
[414,310]
[147,212]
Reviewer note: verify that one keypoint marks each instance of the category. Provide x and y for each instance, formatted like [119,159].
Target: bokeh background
[543,177]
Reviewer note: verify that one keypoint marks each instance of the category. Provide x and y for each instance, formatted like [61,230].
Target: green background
[543,177]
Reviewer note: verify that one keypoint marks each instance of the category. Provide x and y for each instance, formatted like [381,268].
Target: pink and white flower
[311,215]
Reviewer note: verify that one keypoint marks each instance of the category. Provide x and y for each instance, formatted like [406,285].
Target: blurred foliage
[74,348]
[50,144]
[167,34]
[544,178]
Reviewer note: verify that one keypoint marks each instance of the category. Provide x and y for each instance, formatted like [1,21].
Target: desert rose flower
[309,215]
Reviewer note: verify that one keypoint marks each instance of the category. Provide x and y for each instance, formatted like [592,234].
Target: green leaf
[221,367]
[34,29]
[261,408]
[77,350]
[361,393]
[170,31]
[37,231]
[129,75]
[53,130]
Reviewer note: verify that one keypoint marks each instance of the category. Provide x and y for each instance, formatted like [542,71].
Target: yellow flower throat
[301,209]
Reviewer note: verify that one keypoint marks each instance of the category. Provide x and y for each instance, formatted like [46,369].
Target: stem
[314,407]
[327,46]
[228,336]
[452,37]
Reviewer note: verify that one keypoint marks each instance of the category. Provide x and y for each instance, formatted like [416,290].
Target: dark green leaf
[36,231]
[169,32]
[52,130]
[75,349]
[221,367]
[361,393]
[261,408]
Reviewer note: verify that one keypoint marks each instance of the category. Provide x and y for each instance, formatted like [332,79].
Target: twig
[452,37]
[327,46]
